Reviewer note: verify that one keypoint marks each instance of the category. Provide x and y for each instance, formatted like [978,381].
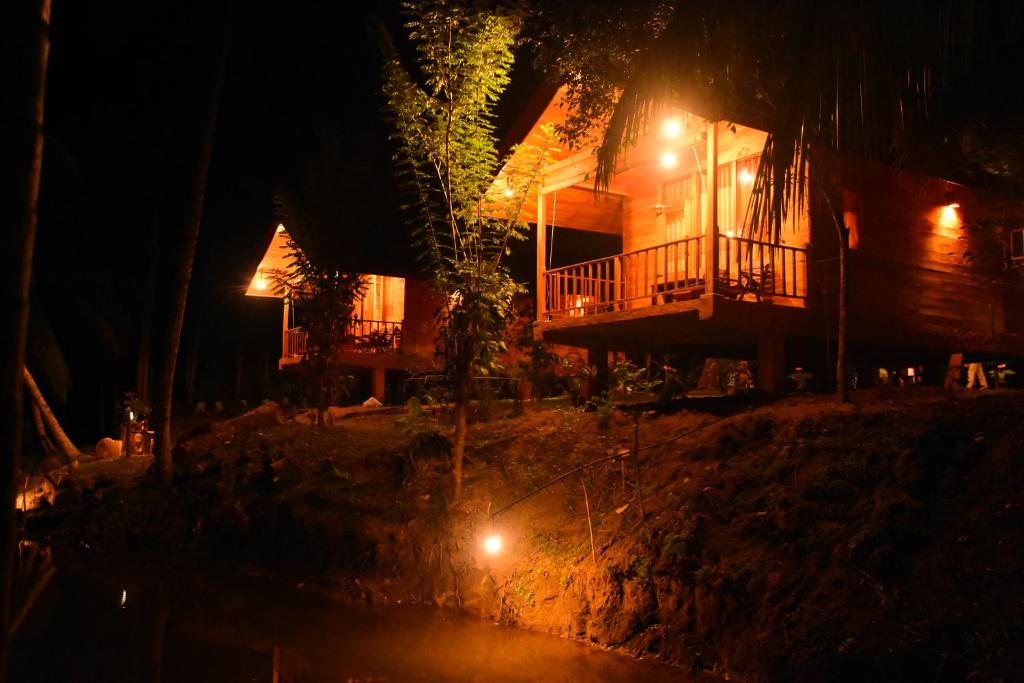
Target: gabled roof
[274,263]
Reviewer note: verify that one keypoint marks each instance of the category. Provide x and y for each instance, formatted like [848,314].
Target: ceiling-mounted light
[669,159]
[672,128]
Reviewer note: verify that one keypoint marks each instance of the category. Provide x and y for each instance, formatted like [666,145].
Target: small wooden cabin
[392,328]
[678,201]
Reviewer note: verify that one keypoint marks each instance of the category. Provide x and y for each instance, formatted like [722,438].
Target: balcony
[748,270]
[361,337]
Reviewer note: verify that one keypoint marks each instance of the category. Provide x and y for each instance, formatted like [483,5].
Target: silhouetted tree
[191,219]
[24,46]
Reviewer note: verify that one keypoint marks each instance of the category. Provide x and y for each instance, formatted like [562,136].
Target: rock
[108,449]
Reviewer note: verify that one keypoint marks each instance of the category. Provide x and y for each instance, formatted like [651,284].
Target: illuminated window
[1017,243]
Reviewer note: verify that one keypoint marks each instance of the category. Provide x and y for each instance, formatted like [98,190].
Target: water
[198,629]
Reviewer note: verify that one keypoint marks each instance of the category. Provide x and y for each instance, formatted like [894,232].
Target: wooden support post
[711,211]
[771,363]
[598,358]
[284,329]
[542,251]
[377,386]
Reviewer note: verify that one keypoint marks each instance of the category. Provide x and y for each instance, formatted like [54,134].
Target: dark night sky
[125,96]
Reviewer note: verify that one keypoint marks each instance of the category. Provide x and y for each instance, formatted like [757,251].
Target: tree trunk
[462,396]
[189,237]
[142,369]
[844,249]
[843,241]
[44,439]
[24,46]
[63,442]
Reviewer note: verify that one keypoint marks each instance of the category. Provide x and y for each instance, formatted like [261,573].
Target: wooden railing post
[711,181]
[542,250]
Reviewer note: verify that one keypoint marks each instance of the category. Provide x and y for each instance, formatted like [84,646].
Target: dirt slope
[797,541]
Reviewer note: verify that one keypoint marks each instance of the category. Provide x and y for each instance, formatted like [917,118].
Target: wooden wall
[420,326]
[911,283]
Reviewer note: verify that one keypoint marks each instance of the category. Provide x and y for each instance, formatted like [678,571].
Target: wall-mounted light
[509,192]
[669,159]
[746,177]
[949,215]
[672,128]
[280,228]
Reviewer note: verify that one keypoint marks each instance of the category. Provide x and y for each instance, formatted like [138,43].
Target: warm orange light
[261,284]
[746,177]
[949,217]
[509,192]
[280,227]
[672,128]
[729,233]
[669,159]
[492,544]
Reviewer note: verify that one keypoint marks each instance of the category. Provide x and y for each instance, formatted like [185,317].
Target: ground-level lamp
[493,543]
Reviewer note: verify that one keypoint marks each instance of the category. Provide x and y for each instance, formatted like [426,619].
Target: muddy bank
[798,541]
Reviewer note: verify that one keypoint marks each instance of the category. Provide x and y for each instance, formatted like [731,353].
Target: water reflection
[198,629]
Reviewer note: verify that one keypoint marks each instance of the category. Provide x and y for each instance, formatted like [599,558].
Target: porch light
[746,177]
[280,228]
[261,284]
[669,159]
[492,544]
[509,192]
[672,128]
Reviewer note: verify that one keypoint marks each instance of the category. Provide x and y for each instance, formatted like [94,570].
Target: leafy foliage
[444,134]
[327,297]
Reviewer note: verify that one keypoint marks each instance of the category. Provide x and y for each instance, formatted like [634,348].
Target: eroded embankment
[794,542]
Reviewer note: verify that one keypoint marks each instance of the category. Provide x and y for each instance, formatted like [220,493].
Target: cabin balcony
[367,343]
[748,270]
[610,295]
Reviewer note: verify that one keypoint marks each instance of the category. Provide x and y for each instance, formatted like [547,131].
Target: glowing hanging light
[509,192]
[669,159]
[672,128]
[746,177]
[261,284]
[280,227]
[492,544]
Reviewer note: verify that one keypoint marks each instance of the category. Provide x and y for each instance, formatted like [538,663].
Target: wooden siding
[910,280]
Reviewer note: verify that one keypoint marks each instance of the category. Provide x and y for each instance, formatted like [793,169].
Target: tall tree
[864,80]
[25,52]
[444,134]
[191,219]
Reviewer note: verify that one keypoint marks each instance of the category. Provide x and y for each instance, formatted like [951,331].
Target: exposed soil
[796,541]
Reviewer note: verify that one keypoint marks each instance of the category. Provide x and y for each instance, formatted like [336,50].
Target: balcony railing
[674,271]
[361,336]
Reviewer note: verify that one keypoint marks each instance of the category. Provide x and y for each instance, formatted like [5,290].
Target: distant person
[976,374]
